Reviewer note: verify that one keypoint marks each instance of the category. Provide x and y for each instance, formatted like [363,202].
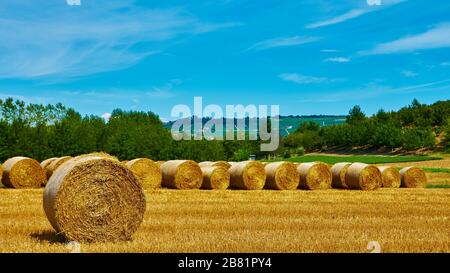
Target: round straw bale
[147,172]
[215,178]
[55,164]
[339,171]
[23,172]
[391,177]
[362,176]
[282,176]
[159,163]
[222,164]
[94,199]
[182,175]
[314,176]
[206,164]
[100,154]
[47,162]
[413,177]
[248,175]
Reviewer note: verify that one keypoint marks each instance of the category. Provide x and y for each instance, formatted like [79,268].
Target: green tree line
[45,131]
[413,127]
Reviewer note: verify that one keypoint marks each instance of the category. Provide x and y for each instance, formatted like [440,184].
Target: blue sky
[308,56]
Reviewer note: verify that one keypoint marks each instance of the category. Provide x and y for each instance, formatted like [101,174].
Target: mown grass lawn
[369,159]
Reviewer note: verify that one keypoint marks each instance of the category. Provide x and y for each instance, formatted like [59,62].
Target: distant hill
[289,124]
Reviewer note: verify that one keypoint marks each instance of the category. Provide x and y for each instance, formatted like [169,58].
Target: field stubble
[401,220]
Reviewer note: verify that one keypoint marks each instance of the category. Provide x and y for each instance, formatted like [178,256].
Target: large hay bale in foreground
[314,176]
[339,170]
[413,177]
[94,199]
[248,175]
[22,172]
[215,178]
[362,176]
[147,171]
[391,177]
[282,176]
[182,175]
[55,164]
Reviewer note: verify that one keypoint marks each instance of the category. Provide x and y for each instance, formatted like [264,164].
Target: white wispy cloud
[409,73]
[338,60]
[329,50]
[283,42]
[304,79]
[437,37]
[352,14]
[56,40]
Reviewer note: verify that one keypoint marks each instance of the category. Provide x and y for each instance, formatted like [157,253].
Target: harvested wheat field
[401,220]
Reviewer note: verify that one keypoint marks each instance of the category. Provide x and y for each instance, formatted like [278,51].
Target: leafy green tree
[355,115]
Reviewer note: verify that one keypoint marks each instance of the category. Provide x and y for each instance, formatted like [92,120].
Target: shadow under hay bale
[51,237]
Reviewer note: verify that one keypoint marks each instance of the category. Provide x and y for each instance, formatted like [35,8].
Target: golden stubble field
[401,220]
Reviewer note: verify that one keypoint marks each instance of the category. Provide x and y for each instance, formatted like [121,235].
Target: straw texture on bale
[282,176]
[362,176]
[248,175]
[159,163]
[47,162]
[314,176]
[55,164]
[222,164]
[147,171]
[94,199]
[182,175]
[1,172]
[339,170]
[22,172]
[390,177]
[100,154]
[413,177]
[215,178]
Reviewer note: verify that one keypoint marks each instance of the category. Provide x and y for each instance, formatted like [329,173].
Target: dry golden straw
[182,175]
[222,164]
[314,176]
[215,178]
[23,172]
[413,177]
[282,176]
[55,164]
[391,177]
[248,175]
[362,176]
[94,199]
[339,170]
[100,154]
[147,171]
[47,162]
[159,163]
